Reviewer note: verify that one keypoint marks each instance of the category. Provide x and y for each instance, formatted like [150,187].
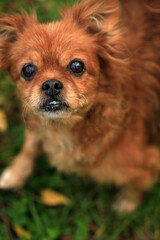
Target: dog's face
[56,69]
[55,65]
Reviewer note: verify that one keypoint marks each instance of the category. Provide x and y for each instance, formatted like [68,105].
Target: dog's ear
[90,14]
[100,19]
[10,29]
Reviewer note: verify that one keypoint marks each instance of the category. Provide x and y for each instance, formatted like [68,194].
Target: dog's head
[57,66]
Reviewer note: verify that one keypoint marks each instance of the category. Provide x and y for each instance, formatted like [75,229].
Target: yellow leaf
[3,121]
[21,232]
[53,198]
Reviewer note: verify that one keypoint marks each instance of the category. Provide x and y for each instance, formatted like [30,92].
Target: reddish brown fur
[113,120]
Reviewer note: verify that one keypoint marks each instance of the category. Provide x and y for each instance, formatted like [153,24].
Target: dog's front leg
[141,167]
[22,166]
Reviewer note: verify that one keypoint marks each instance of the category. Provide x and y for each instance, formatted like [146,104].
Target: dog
[90,91]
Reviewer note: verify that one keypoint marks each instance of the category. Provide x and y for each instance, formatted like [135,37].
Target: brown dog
[90,89]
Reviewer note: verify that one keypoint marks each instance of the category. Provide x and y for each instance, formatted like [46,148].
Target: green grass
[89,215]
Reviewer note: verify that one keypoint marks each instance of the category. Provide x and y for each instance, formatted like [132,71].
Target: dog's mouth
[54,106]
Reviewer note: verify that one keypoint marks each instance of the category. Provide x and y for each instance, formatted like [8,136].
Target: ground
[89,215]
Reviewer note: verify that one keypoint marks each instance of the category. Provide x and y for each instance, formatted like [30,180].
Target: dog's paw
[124,206]
[10,179]
[125,203]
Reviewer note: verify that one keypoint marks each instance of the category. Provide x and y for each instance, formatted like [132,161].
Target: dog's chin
[54,110]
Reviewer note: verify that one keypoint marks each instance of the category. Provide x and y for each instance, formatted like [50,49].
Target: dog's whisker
[24,112]
[80,94]
[76,98]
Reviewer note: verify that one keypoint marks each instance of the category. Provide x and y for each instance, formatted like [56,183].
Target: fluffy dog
[90,89]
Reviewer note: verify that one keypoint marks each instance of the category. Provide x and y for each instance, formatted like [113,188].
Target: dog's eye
[77,67]
[28,71]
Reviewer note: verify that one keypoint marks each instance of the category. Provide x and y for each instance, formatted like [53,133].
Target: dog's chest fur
[69,154]
[63,149]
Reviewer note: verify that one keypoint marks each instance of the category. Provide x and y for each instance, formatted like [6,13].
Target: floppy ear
[10,29]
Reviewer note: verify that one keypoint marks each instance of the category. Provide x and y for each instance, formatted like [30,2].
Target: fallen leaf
[3,121]
[53,198]
[21,232]
[66,237]
[95,231]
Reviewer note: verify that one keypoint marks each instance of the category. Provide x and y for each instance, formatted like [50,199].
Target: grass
[89,215]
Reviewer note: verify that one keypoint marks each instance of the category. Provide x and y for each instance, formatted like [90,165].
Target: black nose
[52,87]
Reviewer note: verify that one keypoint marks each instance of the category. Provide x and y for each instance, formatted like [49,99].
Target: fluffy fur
[112,123]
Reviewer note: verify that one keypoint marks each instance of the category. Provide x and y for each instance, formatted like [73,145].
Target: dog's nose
[52,87]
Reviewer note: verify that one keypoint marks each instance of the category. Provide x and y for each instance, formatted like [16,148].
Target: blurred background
[24,214]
